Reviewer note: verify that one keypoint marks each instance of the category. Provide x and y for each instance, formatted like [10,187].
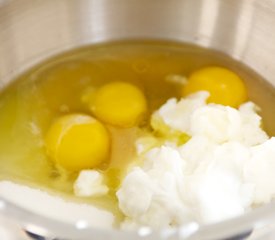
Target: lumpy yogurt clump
[222,171]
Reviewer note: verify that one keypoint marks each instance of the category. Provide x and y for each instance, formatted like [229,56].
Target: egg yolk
[120,104]
[224,86]
[77,141]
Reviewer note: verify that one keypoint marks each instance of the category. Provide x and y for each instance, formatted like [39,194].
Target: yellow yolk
[77,141]
[224,86]
[119,104]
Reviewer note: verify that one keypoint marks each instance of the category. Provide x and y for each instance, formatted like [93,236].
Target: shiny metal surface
[32,30]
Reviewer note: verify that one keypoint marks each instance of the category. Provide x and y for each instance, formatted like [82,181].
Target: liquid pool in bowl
[59,86]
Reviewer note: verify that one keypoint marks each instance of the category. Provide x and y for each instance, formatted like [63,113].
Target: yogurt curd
[225,169]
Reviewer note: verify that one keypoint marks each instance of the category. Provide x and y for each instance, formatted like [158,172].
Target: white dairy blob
[225,167]
[90,183]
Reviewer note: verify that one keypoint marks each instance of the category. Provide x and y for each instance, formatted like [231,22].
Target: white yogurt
[90,183]
[227,166]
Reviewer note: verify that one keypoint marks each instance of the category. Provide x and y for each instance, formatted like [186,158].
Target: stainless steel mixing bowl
[33,30]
